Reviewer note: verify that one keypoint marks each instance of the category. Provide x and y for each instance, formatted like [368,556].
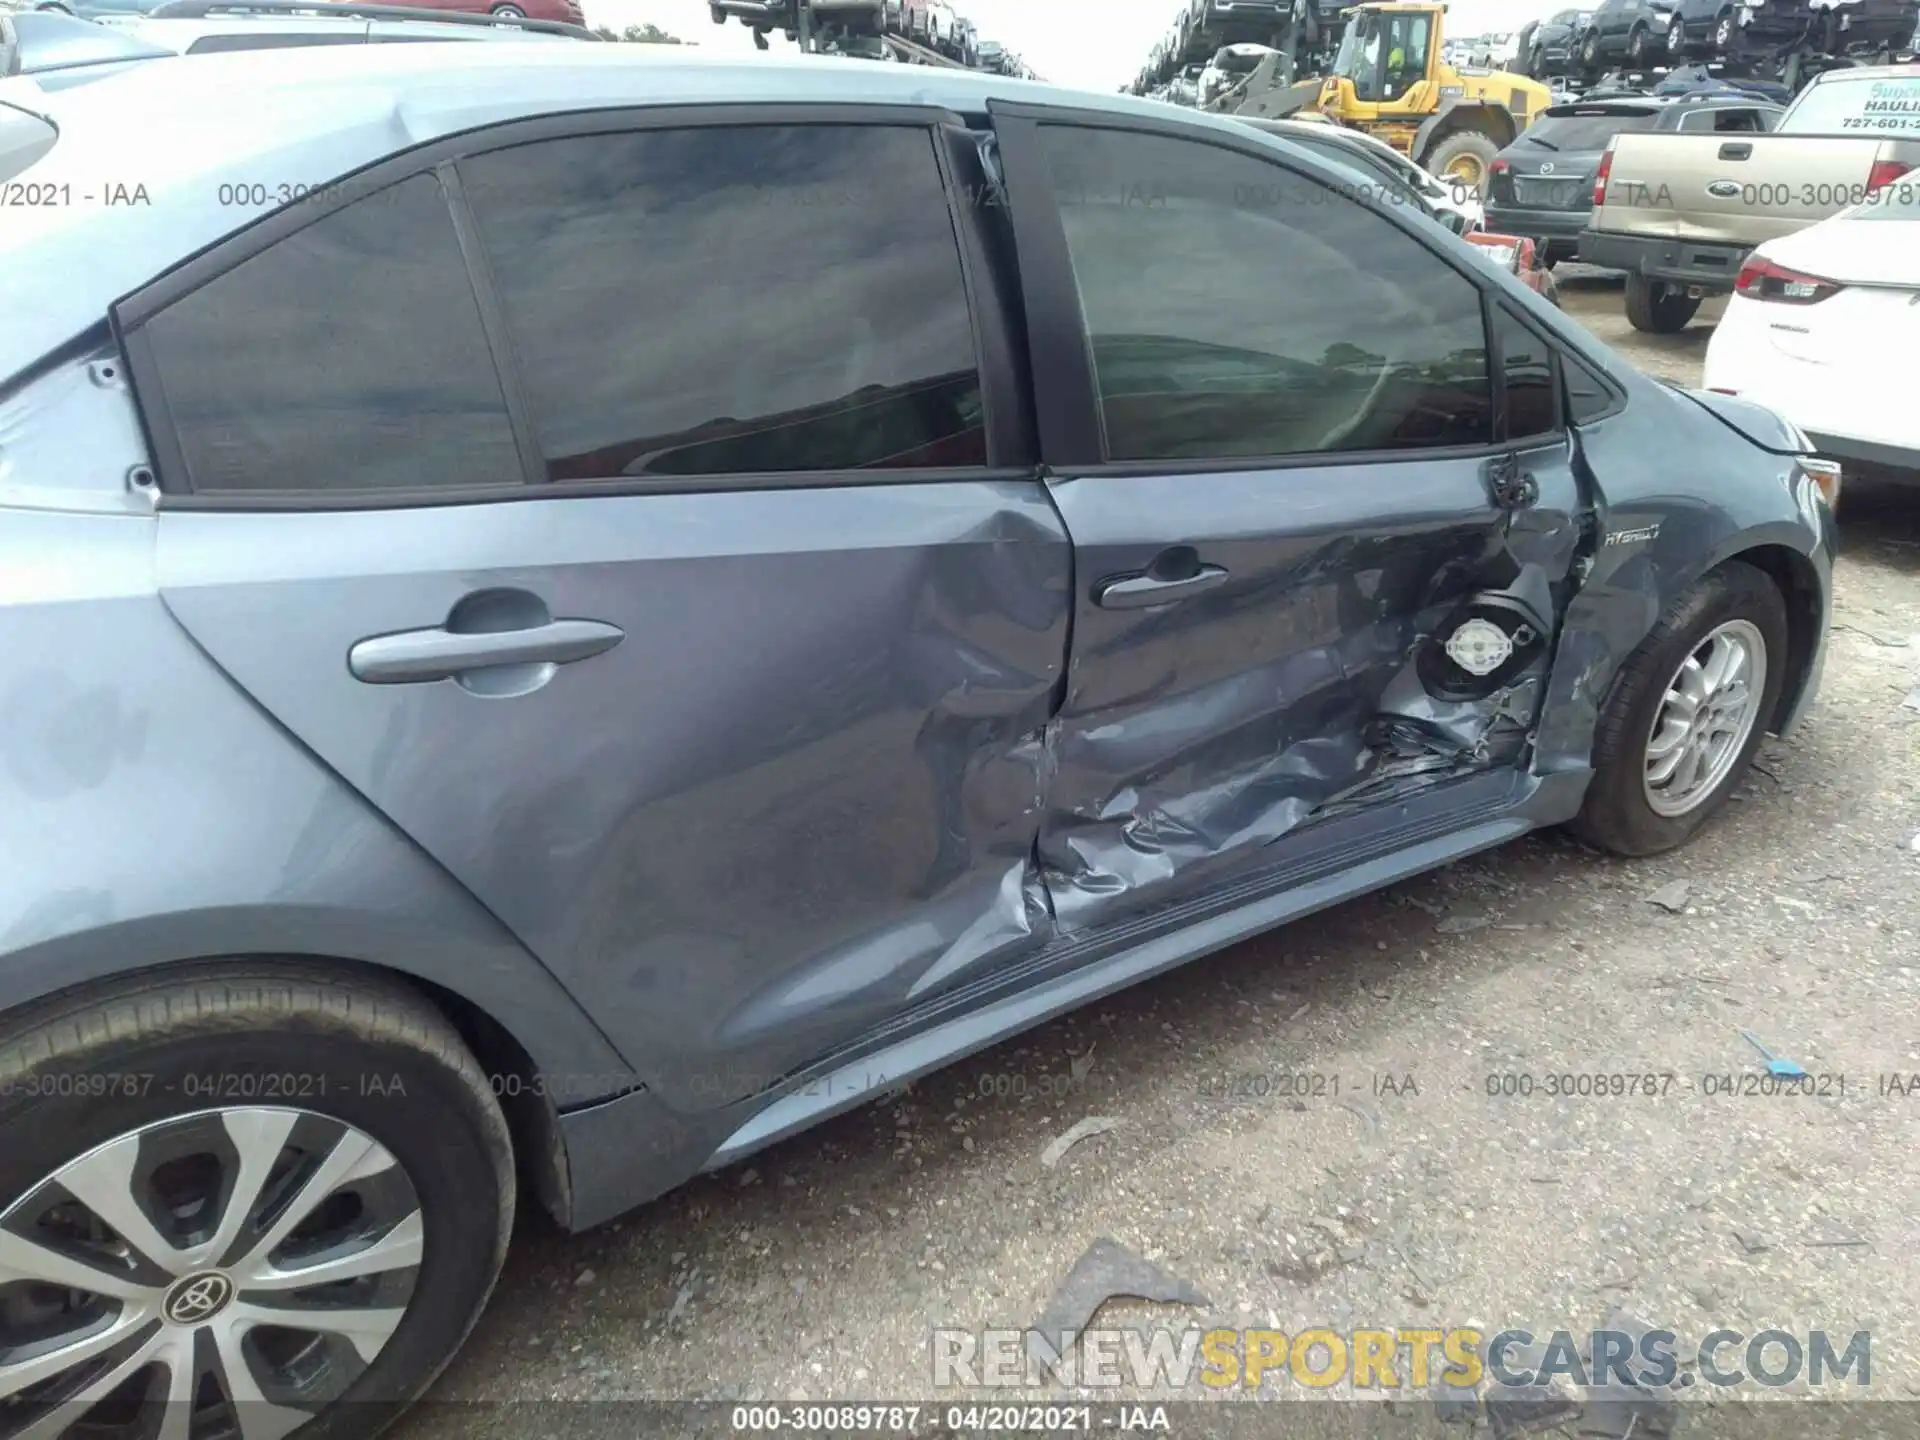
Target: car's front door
[1322,506]
[625,514]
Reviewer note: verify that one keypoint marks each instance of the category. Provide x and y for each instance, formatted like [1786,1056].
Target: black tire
[1637,46]
[77,1073]
[1590,53]
[1462,144]
[719,15]
[509,12]
[1724,41]
[1617,815]
[1658,308]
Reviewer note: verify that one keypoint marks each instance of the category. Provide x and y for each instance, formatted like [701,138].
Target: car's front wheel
[239,1204]
[1687,712]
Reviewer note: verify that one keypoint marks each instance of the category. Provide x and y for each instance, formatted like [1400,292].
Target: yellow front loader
[1388,79]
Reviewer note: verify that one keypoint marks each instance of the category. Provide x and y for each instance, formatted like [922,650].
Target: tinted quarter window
[349,356]
[737,299]
[1588,396]
[1238,308]
[1526,366]
[1586,129]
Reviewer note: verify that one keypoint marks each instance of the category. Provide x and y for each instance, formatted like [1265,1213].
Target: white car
[1230,65]
[1448,196]
[1822,327]
[943,22]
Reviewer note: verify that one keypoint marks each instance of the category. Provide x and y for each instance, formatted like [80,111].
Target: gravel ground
[819,1272]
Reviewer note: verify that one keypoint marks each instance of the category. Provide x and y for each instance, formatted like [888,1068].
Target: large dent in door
[1166,786]
[1226,779]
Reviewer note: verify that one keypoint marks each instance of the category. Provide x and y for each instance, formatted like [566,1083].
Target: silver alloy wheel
[229,1272]
[1705,718]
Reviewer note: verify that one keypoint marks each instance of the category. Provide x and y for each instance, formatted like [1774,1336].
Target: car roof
[1868,72]
[1699,100]
[1310,131]
[305,116]
[179,32]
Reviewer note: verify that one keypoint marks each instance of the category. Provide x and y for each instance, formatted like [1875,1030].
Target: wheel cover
[227,1273]
[1705,718]
[1467,167]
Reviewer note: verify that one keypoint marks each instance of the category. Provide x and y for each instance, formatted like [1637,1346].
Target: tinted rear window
[1587,129]
[255,40]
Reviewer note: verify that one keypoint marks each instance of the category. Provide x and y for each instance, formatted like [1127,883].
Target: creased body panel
[1195,734]
[804,785]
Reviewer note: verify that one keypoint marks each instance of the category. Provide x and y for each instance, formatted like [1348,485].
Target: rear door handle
[415,657]
[1736,150]
[1142,589]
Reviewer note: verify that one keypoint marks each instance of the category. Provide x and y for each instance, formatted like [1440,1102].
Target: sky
[1090,44]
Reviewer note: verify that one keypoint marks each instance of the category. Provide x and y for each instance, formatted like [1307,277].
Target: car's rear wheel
[1637,45]
[1590,52]
[1687,712]
[238,1204]
[1657,307]
[509,12]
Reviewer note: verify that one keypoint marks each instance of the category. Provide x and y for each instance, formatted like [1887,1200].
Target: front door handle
[1143,588]
[417,656]
[1737,150]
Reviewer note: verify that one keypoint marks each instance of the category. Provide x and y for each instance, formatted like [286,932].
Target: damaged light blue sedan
[567,612]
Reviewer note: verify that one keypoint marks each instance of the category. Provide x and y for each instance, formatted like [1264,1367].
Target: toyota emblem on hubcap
[199,1298]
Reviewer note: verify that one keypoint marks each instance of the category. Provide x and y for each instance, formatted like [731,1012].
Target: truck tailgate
[1738,189]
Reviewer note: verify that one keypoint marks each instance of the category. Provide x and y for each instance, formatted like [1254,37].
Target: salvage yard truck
[1680,211]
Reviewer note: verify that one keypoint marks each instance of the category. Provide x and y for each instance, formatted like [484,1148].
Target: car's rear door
[1290,480]
[638,510]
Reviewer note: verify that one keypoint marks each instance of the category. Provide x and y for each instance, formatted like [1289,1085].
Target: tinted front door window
[1239,309]
[733,299]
